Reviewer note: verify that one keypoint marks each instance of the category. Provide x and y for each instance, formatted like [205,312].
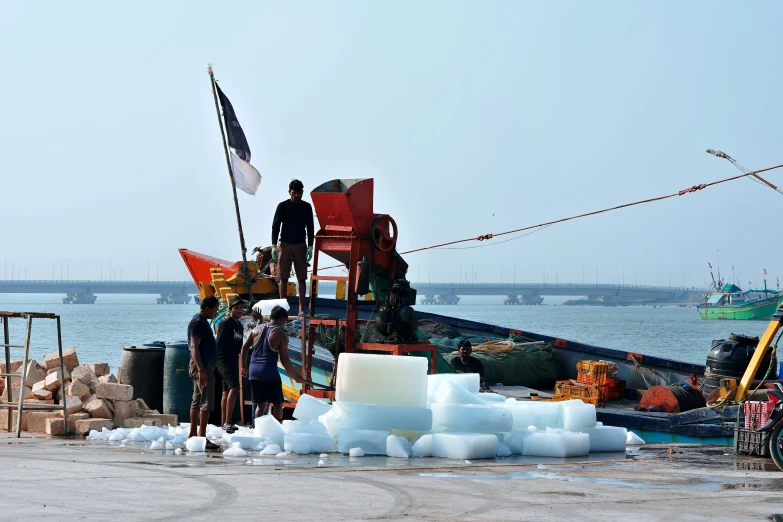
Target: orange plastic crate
[615,390]
[594,372]
[587,393]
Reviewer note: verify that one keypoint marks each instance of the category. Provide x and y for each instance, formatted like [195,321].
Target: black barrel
[142,368]
[728,358]
[177,384]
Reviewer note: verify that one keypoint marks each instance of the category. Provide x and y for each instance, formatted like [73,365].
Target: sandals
[211,446]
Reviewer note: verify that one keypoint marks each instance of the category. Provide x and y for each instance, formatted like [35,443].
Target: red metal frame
[336,241]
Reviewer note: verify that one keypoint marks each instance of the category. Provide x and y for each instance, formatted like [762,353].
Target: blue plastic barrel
[177,384]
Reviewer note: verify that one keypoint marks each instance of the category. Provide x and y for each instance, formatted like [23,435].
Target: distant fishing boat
[731,302]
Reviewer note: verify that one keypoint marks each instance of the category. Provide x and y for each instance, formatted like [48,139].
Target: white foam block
[244,442]
[374,417]
[469,381]
[264,307]
[267,427]
[464,445]
[309,408]
[578,416]
[470,418]
[373,442]
[383,380]
[398,447]
[316,443]
[556,443]
[422,447]
[450,393]
[607,438]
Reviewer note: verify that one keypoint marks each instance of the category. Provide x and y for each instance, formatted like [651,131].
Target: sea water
[99,331]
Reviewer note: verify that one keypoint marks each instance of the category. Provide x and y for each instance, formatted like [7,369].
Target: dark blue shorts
[267,391]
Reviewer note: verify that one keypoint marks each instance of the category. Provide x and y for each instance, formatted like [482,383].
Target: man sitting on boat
[466,363]
[269,341]
[296,240]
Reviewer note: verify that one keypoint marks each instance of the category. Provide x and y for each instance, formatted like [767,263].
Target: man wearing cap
[293,223]
[229,341]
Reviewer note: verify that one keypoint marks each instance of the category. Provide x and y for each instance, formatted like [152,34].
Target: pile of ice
[390,406]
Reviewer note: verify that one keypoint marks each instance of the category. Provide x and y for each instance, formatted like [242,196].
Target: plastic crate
[567,390]
[615,389]
[751,442]
[757,413]
[594,372]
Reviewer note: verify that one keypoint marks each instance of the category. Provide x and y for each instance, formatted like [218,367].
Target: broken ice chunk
[607,438]
[271,449]
[503,451]
[235,451]
[196,444]
[356,452]
[397,446]
[309,408]
[633,439]
[469,381]
[268,427]
[422,447]
[464,445]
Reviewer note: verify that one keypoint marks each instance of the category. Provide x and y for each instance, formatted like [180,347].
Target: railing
[556,285]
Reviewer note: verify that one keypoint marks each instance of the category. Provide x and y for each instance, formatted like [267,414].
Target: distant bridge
[429,293]
[84,292]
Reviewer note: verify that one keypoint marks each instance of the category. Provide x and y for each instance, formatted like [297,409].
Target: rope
[638,368]
[495,347]
[486,237]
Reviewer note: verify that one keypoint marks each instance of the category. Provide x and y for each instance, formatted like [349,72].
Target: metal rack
[20,405]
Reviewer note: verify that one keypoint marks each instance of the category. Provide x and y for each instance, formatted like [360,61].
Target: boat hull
[761,309]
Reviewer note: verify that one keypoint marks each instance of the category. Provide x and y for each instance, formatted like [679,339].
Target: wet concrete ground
[79,479]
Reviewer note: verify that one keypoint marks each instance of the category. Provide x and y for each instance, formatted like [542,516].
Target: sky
[472,117]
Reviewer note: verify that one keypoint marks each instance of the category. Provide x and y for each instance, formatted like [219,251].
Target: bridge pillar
[428,300]
[448,299]
[173,299]
[79,298]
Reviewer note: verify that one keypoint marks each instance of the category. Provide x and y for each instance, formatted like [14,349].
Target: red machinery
[365,243]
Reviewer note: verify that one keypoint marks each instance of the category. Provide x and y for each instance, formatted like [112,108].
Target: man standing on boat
[269,342]
[203,357]
[466,363]
[229,341]
[296,240]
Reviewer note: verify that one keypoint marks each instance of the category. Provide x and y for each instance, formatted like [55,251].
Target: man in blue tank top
[267,344]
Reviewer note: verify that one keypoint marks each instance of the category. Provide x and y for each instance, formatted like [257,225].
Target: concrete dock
[74,478]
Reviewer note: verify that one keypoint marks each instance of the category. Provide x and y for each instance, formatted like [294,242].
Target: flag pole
[246,272]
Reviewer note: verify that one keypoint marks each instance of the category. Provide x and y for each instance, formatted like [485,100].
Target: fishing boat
[731,302]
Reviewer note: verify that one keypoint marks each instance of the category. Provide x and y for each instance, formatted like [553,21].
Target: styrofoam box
[556,443]
[373,442]
[464,445]
[374,417]
[469,381]
[470,418]
[607,438]
[383,380]
[309,408]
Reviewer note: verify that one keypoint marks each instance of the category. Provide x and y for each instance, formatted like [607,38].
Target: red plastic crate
[615,389]
[757,413]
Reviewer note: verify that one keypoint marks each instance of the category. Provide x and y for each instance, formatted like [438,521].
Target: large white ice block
[516,440]
[372,417]
[382,379]
[451,393]
[556,443]
[373,442]
[398,447]
[292,426]
[244,441]
[464,445]
[490,397]
[470,418]
[267,427]
[314,442]
[422,447]
[607,438]
[309,408]
[469,381]
[313,427]
[578,416]
[332,422]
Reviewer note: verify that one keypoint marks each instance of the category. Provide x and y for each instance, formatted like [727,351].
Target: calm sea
[100,331]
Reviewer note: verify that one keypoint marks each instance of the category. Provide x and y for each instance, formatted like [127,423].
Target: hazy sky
[473,117]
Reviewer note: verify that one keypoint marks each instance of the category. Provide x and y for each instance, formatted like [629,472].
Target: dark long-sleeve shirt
[296,220]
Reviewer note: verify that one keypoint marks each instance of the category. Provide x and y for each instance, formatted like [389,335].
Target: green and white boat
[734,303]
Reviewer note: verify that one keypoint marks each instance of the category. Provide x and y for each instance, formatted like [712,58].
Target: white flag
[246,177]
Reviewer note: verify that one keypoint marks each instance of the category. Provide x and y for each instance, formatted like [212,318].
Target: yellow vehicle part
[761,350]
